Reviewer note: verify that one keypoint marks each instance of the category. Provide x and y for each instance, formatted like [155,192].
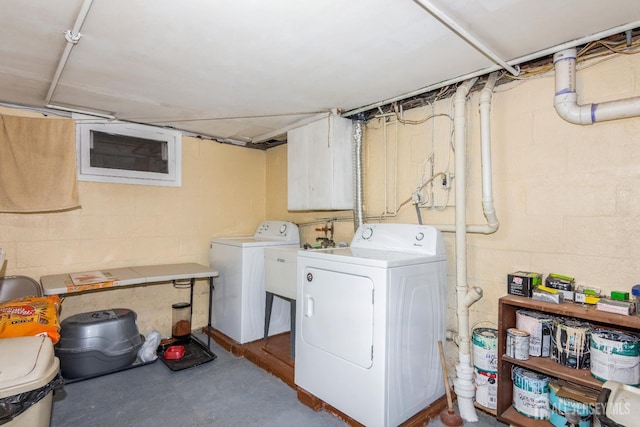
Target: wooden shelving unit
[508,306]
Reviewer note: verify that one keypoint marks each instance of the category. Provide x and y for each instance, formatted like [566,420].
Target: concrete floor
[229,391]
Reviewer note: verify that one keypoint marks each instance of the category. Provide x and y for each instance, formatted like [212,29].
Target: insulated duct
[566,99]
[358,200]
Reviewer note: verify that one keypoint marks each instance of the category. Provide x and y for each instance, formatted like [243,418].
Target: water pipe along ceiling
[245,71]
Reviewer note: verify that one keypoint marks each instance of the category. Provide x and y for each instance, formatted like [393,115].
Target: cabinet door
[320,169]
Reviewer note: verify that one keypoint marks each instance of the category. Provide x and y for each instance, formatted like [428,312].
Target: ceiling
[243,71]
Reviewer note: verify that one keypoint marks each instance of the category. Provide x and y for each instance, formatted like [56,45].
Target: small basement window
[129,154]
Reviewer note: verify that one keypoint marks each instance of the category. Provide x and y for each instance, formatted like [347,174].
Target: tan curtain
[37,164]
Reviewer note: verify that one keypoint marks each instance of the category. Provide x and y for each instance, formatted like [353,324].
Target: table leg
[209,316]
[267,314]
[292,333]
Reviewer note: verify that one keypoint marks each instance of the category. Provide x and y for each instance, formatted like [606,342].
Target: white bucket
[485,349]
[615,356]
[530,393]
[570,343]
[486,388]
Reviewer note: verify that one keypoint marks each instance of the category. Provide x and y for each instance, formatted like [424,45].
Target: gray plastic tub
[12,287]
[98,342]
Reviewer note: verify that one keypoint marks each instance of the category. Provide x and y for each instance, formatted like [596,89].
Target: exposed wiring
[413,198]
[605,49]
[417,122]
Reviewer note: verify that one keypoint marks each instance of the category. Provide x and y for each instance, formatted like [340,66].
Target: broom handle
[446,377]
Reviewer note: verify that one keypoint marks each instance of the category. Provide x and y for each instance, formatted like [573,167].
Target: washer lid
[26,363]
[370,257]
[268,233]
[250,241]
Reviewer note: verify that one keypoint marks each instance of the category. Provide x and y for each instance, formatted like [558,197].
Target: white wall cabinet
[320,165]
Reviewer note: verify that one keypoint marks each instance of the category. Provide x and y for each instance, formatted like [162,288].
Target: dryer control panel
[399,237]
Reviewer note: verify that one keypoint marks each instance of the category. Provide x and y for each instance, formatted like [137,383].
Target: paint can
[615,356]
[485,349]
[486,388]
[530,393]
[570,343]
[539,325]
[567,412]
[518,344]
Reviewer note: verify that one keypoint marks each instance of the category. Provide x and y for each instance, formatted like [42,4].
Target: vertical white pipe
[464,372]
[488,208]
[485,146]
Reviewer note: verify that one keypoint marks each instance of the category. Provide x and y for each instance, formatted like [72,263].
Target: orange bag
[31,316]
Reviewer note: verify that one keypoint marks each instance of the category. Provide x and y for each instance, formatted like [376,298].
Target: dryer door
[337,314]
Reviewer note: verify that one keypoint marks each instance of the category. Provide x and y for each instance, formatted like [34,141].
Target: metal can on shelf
[518,344]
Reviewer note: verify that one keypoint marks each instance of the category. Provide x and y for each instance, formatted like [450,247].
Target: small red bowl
[174,352]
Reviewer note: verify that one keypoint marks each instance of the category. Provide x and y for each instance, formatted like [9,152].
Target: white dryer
[239,293]
[369,320]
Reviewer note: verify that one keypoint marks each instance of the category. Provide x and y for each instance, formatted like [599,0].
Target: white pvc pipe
[463,383]
[485,146]
[565,100]
[488,208]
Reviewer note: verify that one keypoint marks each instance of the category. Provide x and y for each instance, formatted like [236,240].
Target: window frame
[86,172]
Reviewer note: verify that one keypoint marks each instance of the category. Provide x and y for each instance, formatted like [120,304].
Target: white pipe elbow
[567,107]
[460,96]
[490,215]
[565,100]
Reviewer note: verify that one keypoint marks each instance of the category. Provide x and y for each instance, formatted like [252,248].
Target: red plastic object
[174,352]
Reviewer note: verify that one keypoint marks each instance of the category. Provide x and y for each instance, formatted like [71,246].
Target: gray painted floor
[229,391]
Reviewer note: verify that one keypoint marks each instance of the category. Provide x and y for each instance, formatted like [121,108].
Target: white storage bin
[28,364]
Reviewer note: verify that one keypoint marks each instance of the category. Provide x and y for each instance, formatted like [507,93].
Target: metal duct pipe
[566,99]
[358,199]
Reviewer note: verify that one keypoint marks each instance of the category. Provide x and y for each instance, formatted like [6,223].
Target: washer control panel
[278,230]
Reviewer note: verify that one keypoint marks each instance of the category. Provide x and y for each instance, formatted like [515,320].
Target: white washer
[239,294]
[369,320]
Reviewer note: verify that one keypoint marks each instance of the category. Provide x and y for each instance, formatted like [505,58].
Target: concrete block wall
[121,225]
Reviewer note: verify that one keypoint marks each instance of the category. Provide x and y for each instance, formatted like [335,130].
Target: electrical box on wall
[320,165]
